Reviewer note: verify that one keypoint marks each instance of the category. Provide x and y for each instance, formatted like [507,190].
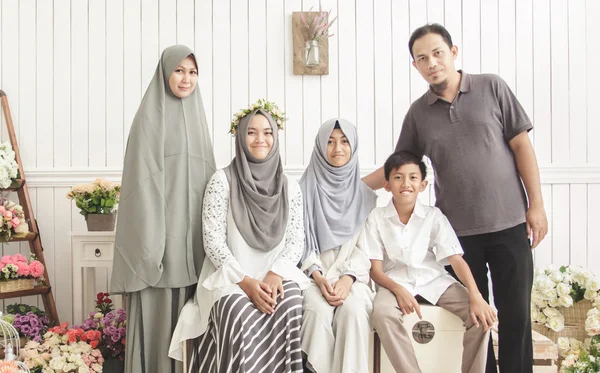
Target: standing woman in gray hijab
[338,305]
[158,247]
[247,311]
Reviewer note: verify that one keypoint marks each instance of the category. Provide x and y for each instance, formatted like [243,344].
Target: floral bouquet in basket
[64,350]
[554,288]
[579,357]
[17,266]
[9,170]
[14,223]
[99,197]
[112,325]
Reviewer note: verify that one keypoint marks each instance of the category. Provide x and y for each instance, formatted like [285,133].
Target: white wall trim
[67,177]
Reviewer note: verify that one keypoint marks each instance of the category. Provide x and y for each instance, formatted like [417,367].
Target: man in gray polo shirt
[475,132]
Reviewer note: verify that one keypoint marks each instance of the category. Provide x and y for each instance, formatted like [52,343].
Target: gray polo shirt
[477,185]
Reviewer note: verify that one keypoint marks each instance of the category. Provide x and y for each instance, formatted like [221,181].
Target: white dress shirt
[413,255]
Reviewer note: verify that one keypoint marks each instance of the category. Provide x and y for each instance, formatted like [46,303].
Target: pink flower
[8,214]
[23,269]
[19,257]
[6,259]
[36,268]
[15,222]
[2,209]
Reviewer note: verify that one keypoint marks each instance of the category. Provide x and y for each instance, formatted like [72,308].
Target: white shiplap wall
[75,71]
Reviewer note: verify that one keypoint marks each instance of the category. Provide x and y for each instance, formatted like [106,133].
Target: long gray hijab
[168,162]
[258,190]
[336,201]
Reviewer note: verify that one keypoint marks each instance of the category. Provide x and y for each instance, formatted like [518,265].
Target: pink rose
[18,257]
[6,259]
[36,269]
[8,214]
[15,222]
[2,209]
[23,269]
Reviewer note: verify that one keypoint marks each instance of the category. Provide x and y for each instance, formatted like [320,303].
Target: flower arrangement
[562,287]
[13,220]
[98,197]
[64,350]
[111,324]
[269,107]
[17,266]
[579,357]
[31,325]
[9,170]
[9,366]
[317,25]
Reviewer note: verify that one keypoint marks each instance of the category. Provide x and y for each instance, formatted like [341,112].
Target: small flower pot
[101,222]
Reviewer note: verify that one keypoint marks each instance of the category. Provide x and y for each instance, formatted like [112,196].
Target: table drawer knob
[97,252]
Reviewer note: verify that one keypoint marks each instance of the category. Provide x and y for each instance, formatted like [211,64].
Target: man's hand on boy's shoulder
[482,311]
[406,302]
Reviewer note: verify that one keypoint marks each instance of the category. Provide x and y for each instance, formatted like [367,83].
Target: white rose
[567,278]
[565,301]
[22,228]
[597,301]
[593,312]
[575,344]
[553,303]
[579,278]
[550,312]
[555,276]
[543,283]
[563,289]
[556,323]
[549,294]
[593,284]
[537,300]
[563,345]
[568,361]
[590,294]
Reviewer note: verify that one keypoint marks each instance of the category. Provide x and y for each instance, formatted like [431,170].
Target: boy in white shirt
[408,245]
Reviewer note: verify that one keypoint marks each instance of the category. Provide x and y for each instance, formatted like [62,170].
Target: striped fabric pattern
[241,339]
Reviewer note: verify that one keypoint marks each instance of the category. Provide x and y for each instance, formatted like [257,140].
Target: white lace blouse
[229,258]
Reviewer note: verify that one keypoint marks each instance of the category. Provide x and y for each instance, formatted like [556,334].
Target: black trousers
[508,255]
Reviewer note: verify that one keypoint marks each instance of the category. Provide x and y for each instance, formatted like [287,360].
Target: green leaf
[563,269]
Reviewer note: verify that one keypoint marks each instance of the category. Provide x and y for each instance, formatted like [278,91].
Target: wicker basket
[574,322]
[16,285]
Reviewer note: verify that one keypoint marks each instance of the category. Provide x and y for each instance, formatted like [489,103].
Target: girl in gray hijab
[338,304]
[247,311]
[158,246]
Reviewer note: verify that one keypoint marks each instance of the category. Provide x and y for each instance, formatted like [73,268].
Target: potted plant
[112,326]
[97,202]
[560,300]
[19,273]
[14,223]
[317,27]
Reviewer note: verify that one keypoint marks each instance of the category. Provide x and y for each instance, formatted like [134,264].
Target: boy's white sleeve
[371,240]
[443,239]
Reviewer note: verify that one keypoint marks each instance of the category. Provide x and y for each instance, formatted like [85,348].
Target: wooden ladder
[33,237]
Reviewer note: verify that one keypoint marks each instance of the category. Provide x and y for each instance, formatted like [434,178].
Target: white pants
[336,339]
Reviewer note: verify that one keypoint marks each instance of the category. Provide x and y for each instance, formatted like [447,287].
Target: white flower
[556,323]
[575,344]
[569,361]
[592,325]
[555,276]
[22,228]
[563,346]
[592,284]
[590,294]
[563,289]
[543,283]
[565,301]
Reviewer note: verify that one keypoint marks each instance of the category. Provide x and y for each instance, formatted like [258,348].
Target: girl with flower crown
[337,307]
[247,311]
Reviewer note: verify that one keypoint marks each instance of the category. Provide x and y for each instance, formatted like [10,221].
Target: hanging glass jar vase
[312,53]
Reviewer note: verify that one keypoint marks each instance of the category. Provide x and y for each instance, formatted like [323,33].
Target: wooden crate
[545,353]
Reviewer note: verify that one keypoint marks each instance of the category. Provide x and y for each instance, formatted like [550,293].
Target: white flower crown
[269,107]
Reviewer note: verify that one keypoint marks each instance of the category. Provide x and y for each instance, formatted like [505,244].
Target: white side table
[91,250]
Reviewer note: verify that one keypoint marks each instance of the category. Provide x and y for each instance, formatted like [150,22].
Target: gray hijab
[259,193]
[168,162]
[336,201]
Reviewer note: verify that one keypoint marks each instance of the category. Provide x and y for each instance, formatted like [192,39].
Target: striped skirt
[241,339]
